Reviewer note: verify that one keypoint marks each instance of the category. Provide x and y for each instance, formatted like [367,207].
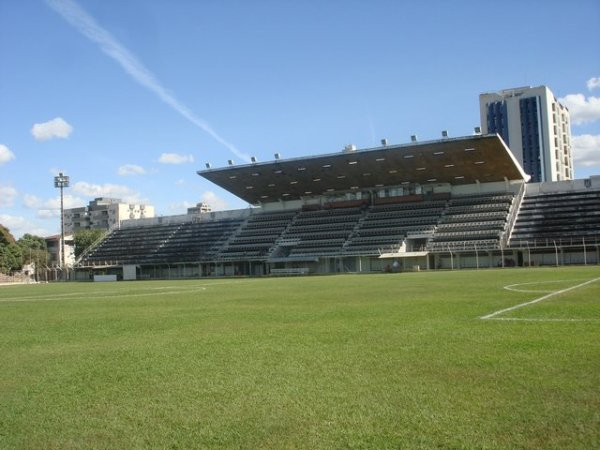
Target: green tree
[5,237]
[10,258]
[34,250]
[84,239]
[10,253]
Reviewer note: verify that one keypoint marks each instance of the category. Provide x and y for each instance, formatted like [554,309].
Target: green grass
[351,361]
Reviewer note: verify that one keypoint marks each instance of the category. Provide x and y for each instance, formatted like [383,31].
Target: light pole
[62,181]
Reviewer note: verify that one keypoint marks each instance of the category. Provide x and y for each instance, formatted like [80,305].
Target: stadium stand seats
[318,233]
[385,226]
[256,238]
[472,222]
[564,218]
[438,225]
[160,244]
[457,223]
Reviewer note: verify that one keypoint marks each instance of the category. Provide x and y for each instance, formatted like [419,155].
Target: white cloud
[86,25]
[586,150]
[32,201]
[18,226]
[48,213]
[175,158]
[5,154]
[12,222]
[69,201]
[581,109]
[131,169]
[593,83]
[215,202]
[7,195]
[107,190]
[55,128]
[50,208]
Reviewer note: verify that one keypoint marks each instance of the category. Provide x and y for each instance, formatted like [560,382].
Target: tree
[84,239]
[5,237]
[10,253]
[34,250]
[10,258]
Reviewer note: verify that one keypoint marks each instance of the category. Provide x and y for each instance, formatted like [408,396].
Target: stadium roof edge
[460,160]
[358,150]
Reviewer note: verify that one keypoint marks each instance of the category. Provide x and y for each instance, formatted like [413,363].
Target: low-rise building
[104,213]
[200,208]
[54,249]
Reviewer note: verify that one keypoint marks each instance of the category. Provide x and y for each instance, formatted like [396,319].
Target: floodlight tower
[61,182]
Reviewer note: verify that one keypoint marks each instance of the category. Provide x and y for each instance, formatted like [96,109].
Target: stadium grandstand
[445,204]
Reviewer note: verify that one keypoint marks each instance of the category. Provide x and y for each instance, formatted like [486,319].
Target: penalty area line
[537,300]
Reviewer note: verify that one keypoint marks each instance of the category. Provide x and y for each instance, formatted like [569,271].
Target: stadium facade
[445,204]
[535,126]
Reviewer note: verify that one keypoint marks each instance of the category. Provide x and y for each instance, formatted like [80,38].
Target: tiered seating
[197,241]
[385,226]
[567,217]
[257,236]
[130,245]
[459,223]
[472,222]
[320,233]
[157,244]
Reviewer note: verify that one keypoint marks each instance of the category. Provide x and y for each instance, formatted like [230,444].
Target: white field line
[86,295]
[523,319]
[537,300]
[99,295]
[159,290]
[516,287]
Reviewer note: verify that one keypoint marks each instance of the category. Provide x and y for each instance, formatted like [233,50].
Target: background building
[536,128]
[104,213]
[200,208]
[54,248]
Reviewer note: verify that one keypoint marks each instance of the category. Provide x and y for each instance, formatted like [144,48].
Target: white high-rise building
[104,213]
[536,128]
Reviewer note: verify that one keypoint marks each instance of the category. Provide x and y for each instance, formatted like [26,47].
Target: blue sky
[130,98]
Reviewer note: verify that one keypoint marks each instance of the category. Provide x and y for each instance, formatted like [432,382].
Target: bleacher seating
[385,226]
[163,244]
[472,222]
[566,217]
[458,223]
[256,238]
[319,233]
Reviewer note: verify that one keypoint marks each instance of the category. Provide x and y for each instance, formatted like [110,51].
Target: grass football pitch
[348,361]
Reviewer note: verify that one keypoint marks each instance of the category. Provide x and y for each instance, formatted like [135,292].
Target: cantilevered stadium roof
[465,160]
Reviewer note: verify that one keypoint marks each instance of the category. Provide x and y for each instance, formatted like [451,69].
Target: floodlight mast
[62,181]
